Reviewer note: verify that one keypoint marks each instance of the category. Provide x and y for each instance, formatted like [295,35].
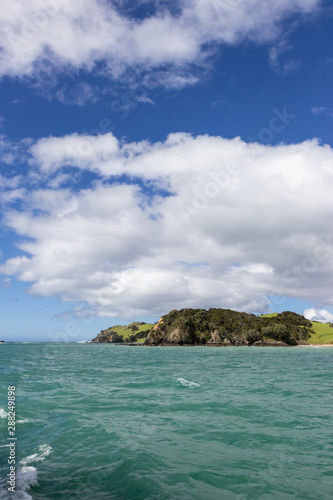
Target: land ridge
[224,327]
[220,327]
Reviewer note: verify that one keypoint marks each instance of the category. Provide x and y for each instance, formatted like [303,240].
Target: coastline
[224,345]
[315,345]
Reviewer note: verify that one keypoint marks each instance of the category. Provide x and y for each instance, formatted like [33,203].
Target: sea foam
[3,414]
[25,477]
[187,383]
[43,451]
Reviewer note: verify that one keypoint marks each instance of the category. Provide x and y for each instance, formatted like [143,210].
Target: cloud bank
[110,38]
[189,222]
[318,315]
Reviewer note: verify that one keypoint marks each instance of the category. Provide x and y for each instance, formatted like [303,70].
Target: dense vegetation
[221,327]
[226,327]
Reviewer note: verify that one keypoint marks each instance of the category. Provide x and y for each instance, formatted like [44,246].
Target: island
[219,327]
[224,327]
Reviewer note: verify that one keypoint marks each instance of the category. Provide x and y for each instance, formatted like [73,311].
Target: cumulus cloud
[189,222]
[318,315]
[104,37]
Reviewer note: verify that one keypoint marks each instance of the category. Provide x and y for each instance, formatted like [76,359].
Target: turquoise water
[116,422]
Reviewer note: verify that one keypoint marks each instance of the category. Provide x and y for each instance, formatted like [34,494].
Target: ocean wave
[43,451]
[25,477]
[187,383]
[3,414]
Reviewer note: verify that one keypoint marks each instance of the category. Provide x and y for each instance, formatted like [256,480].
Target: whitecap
[25,477]
[3,414]
[187,383]
[43,451]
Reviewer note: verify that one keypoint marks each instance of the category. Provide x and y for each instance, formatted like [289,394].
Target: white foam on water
[187,383]
[43,451]
[3,414]
[25,477]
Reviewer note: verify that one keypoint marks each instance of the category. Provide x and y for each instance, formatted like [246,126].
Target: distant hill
[133,332]
[221,327]
[322,333]
[226,327]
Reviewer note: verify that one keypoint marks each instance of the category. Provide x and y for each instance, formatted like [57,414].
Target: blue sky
[159,155]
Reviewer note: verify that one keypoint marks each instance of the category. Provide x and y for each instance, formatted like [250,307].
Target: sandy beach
[316,345]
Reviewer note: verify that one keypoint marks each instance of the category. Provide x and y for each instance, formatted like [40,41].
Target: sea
[103,421]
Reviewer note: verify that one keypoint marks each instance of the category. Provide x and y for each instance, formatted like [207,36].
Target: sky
[157,155]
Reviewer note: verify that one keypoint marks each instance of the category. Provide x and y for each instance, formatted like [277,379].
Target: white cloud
[321,110]
[318,110]
[77,150]
[242,222]
[97,36]
[78,95]
[9,182]
[318,315]
[12,153]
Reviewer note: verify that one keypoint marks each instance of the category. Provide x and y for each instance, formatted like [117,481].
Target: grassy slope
[125,332]
[323,332]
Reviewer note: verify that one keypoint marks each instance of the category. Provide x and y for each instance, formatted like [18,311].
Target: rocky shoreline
[214,344]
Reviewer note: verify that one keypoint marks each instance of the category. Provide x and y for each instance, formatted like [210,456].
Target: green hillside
[323,333]
[134,332]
